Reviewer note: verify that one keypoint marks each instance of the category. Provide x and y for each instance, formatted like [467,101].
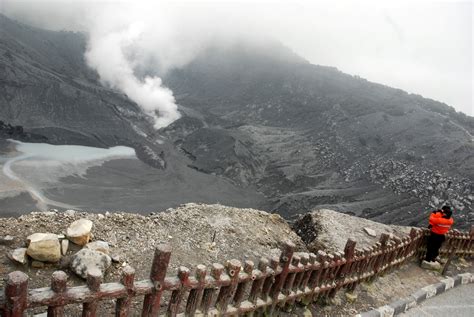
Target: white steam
[107,54]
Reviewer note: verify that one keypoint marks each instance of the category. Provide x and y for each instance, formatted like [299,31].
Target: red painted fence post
[151,303]
[16,294]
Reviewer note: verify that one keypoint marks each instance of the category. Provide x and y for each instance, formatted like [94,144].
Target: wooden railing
[232,289]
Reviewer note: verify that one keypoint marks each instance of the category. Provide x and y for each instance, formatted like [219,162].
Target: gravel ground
[190,229]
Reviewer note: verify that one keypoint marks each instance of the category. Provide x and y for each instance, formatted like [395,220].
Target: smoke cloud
[423,47]
[107,53]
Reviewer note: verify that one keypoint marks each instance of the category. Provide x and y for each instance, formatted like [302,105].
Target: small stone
[61,236]
[351,297]
[116,258]
[18,255]
[370,232]
[79,232]
[100,246]
[70,212]
[100,216]
[64,246]
[37,264]
[87,260]
[7,240]
[44,247]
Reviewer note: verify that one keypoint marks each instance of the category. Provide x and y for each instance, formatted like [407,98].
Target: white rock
[64,246]
[7,240]
[79,232]
[18,255]
[87,260]
[100,246]
[70,212]
[370,232]
[44,247]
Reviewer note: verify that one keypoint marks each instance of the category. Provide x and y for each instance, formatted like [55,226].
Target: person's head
[447,211]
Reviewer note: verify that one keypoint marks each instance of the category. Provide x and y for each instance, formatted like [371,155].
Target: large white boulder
[44,247]
[86,261]
[79,232]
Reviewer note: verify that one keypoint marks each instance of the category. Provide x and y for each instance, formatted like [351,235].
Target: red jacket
[440,225]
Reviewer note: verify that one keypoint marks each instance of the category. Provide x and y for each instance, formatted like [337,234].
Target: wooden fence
[234,289]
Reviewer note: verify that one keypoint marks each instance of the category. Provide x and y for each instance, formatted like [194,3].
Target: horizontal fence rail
[234,288]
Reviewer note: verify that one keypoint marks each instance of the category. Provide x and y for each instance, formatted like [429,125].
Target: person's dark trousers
[434,243]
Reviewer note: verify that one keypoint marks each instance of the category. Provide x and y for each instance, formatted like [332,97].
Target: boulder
[100,246]
[87,260]
[79,232]
[18,255]
[44,247]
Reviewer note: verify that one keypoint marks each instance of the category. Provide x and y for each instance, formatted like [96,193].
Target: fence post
[269,279]
[123,304]
[242,287]
[58,285]
[195,295]
[298,289]
[227,292]
[94,278]
[349,250]
[285,260]
[16,294]
[209,293]
[151,302]
[177,295]
[258,282]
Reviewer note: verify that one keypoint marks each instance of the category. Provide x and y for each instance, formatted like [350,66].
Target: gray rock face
[87,260]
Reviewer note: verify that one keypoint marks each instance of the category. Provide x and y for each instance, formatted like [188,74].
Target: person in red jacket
[440,223]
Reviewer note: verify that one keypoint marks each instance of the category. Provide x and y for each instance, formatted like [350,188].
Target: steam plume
[106,54]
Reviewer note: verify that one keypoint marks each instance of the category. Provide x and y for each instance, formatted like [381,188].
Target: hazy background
[423,47]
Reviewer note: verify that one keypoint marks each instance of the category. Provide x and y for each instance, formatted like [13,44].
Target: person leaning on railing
[440,223]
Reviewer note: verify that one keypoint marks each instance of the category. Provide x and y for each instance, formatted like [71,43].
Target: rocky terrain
[78,242]
[257,118]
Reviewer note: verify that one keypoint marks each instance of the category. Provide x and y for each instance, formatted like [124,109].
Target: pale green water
[71,153]
[40,164]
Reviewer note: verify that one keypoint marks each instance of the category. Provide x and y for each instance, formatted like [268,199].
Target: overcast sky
[423,47]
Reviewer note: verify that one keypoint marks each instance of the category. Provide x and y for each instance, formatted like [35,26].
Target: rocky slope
[258,117]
